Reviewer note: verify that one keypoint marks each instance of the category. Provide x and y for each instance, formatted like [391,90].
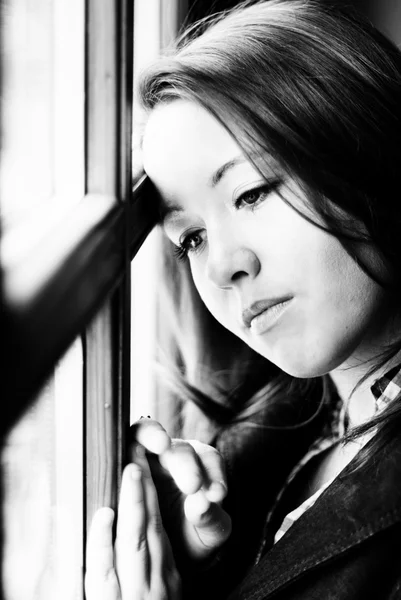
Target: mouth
[262,314]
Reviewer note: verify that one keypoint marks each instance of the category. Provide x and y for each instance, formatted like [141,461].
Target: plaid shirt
[385,389]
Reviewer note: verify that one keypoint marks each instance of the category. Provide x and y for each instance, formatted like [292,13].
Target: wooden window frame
[80,272]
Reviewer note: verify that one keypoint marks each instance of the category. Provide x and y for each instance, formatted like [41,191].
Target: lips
[260,306]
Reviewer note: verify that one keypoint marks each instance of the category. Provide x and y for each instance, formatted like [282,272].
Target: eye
[256,195]
[188,243]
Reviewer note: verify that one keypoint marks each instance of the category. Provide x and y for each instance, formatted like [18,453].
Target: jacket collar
[357,505]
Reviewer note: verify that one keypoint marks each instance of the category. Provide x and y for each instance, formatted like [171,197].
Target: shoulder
[348,545]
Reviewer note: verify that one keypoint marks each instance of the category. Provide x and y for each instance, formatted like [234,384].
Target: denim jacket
[347,546]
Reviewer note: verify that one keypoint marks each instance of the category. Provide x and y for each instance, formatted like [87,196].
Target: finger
[164,579]
[213,465]
[185,467]
[99,548]
[210,523]
[132,555]
[100,579]
[155,534]
[155,531]
[151,434]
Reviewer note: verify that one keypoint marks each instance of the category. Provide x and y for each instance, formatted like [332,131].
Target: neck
[360,401]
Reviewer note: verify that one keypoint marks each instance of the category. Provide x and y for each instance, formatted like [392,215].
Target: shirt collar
[387,388]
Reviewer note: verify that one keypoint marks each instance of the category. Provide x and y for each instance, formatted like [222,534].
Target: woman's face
[281,284]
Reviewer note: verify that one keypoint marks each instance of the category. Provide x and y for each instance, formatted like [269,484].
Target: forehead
[184,121]
[182,139]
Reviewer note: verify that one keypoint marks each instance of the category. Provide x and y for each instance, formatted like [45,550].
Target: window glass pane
[144,273]
[155,25]
[42,178]
[42,119]
[42,464]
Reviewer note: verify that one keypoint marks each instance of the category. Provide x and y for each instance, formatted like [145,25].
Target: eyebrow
[169,211]
[221,171]
[169,208]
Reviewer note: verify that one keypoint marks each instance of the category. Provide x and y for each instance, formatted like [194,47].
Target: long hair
[318,88]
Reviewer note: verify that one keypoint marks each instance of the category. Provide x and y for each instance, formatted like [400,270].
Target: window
[70,227]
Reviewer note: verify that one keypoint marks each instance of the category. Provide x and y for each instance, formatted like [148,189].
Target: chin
[304,366]
[302,371]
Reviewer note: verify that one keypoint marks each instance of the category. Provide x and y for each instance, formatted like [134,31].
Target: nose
[230,261]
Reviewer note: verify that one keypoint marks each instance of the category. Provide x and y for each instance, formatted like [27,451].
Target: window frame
[80,271]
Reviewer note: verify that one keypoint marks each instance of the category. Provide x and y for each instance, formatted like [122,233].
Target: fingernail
[106,515]
[158,442]
[200,502]
[217,491]
[136,472]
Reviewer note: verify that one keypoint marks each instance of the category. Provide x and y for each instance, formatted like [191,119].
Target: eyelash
[262,192]
[182,249]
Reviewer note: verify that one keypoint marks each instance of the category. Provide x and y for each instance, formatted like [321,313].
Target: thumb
[209,522]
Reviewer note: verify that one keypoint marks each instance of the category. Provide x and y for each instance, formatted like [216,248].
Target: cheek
[338,282]
[339,315]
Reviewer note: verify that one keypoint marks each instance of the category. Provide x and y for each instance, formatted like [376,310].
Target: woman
[273,145]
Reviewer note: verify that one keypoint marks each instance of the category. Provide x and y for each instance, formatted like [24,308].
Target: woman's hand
[191,484]
[140,565]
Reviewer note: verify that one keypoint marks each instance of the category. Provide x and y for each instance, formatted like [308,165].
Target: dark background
[385,14]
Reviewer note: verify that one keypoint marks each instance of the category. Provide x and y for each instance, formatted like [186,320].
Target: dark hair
[317,87]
